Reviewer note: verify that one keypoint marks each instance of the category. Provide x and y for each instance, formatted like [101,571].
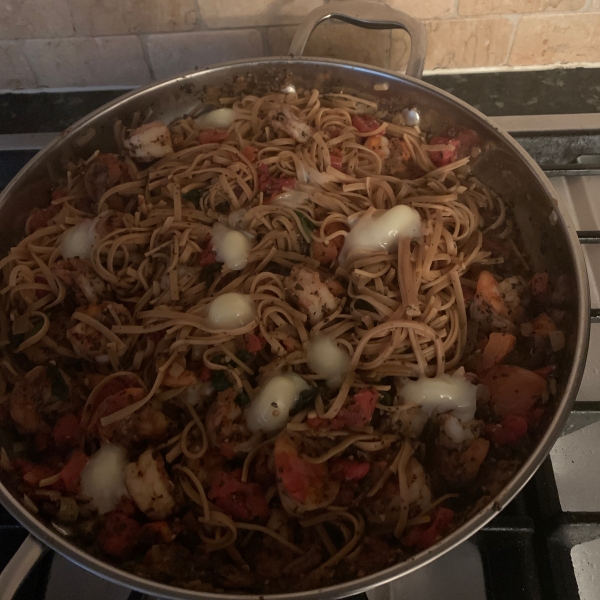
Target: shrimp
[302,485]
[90,343]
[408,421]
[288,122]
[419,490]
[150,487]
[379,144]
[489,305]
[398,161]
[226,426]
[313,297]
[104,172]
[83,284]
[41,395]
[183,379]
[327,252]
[460,467]
[149,142]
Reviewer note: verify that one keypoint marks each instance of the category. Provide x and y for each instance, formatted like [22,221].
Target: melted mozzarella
[270,410]
[230,311]
[328,360]
[221,118]
[103,478]
[236,217]
[442,394]
[232,247]
[79,240]
[291,198]
[381,230]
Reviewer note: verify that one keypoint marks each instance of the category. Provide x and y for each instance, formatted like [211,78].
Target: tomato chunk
[119,534]
[510,431]
[539,284]
[349,470]
[365,123]
[240,500]
[250,152]
[66,431]
[360,410]
[71,472]
[441,158]
[513,390]
[254,342]
[212,136]
[208,256]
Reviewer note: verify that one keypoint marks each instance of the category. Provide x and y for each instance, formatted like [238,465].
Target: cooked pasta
[265,348]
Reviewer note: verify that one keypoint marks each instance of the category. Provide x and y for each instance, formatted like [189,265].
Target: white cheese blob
[232,247]
[230,311]
[221,118]
[79,240]
[270,410]
[103,478]
[236,217]
[291,198]
[381,230]
[149,142]
[328,360]
[442,394]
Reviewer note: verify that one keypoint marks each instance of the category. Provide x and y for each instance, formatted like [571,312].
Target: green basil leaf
[307,224]
[59,387]
[245,356]
[220,381]
[386,399]
[306,399]
[242,399]
[194,197]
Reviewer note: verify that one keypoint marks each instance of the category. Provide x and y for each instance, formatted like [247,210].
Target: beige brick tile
[524,7]
[112,17]
[34,19]
[337,40]
[549,39]
[88,61]
[248,13]
[172,53]
[424,9]
[15,72]
[460,43]
[399,50]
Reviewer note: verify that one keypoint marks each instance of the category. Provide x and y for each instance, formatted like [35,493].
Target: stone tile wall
[78,43]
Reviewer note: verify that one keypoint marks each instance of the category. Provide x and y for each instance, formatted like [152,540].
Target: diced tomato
[336,161]
[513,390]
[212,136]
[360,409]
[208,256]
[254,343]
[126,506]
[32,473]
[441,158]
[467,139]
[40,217]
[349,470]
[510,431]
[71,472]
[250,152]
[497,349]
[119,534]
[440,523]
[298,476]
[205,374]
[365,123]
[58,193]
[539,284]
[239,500]
[66,431]
[270,185]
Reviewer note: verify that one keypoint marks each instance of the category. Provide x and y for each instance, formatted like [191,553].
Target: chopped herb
[307,224]
[220,381]
[305,400]
[18,339]
[385,398]
[222,207]
[245,356]
[194,196]
[364,305]
[242,399]
[59,386]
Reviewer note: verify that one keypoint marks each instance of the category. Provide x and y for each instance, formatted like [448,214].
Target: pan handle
[15,572]
[370,15]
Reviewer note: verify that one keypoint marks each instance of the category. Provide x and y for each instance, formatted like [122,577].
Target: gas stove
[545,545]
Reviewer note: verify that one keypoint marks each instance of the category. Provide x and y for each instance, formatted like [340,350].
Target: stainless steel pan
[545,227]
